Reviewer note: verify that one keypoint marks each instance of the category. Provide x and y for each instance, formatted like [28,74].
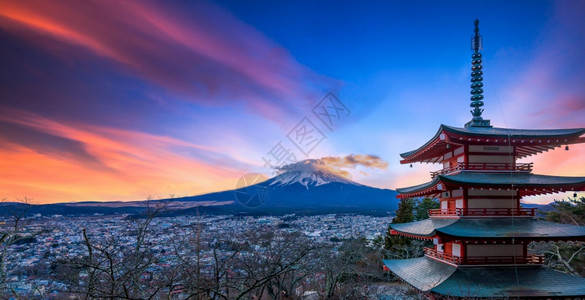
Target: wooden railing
[486,260]
[442,256]
[523,167]
[504,260]
[483,212]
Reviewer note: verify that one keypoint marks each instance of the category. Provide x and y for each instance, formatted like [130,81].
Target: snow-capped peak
[308,178]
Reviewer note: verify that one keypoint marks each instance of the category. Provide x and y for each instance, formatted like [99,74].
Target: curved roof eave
[419,187]
[409,153]
[422,273]
[509,179]
[524,228]
[424,228]
[514,133]
[508,282]
[428,275]
[491,229]
[465,178]
[499,132]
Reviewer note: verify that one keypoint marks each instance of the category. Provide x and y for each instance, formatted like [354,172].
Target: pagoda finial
[476,42]
[477,81]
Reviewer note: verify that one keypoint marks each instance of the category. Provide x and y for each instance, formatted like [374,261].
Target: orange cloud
[560,162]
[352,161]
[135,165]
[198,54]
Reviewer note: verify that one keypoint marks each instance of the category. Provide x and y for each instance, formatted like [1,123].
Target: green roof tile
[423,228]
[514,133]
[504,228]
[491,228]
[422,273]
[511,283]
[504,133]
[429,275]
[493,179]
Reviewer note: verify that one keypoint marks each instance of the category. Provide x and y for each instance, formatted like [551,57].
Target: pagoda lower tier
[485,257]
[467,242]
[440,280]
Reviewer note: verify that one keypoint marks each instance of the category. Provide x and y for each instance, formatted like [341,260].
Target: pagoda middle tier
[488,193]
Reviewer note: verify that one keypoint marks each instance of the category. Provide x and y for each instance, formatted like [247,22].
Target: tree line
[268,263]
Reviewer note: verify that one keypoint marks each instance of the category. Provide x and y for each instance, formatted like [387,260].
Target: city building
[481,232]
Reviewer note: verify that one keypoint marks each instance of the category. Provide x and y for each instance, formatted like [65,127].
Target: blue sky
[158,98]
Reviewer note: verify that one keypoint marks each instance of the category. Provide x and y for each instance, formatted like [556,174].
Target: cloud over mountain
[336,164]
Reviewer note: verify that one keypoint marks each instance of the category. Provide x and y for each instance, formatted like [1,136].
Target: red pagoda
[481,232]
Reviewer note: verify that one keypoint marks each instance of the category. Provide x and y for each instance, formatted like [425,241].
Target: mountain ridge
[295,191]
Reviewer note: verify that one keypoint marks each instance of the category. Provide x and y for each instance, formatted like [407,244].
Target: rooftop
[508,180]
[528,141]
[428,275]
[490,229]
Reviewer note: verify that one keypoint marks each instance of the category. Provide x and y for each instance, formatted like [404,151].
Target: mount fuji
[300,191]
[305,191]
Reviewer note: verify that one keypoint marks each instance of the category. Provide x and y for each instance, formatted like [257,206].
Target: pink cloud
[206,55]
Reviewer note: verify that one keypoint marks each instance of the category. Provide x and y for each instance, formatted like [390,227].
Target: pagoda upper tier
[526,184]
[525,142]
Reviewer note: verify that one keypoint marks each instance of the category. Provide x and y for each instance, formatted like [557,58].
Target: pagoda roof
[428,275]
[529,141]
[514,133]
[422,273]
[532,184]
[424,228]
[488,229]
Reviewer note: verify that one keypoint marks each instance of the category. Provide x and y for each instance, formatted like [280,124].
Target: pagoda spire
[477,81]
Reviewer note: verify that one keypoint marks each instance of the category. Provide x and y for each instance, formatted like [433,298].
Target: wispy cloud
[117,100]
[204,55]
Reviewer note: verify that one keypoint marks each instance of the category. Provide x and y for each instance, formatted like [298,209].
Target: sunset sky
[120,100]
